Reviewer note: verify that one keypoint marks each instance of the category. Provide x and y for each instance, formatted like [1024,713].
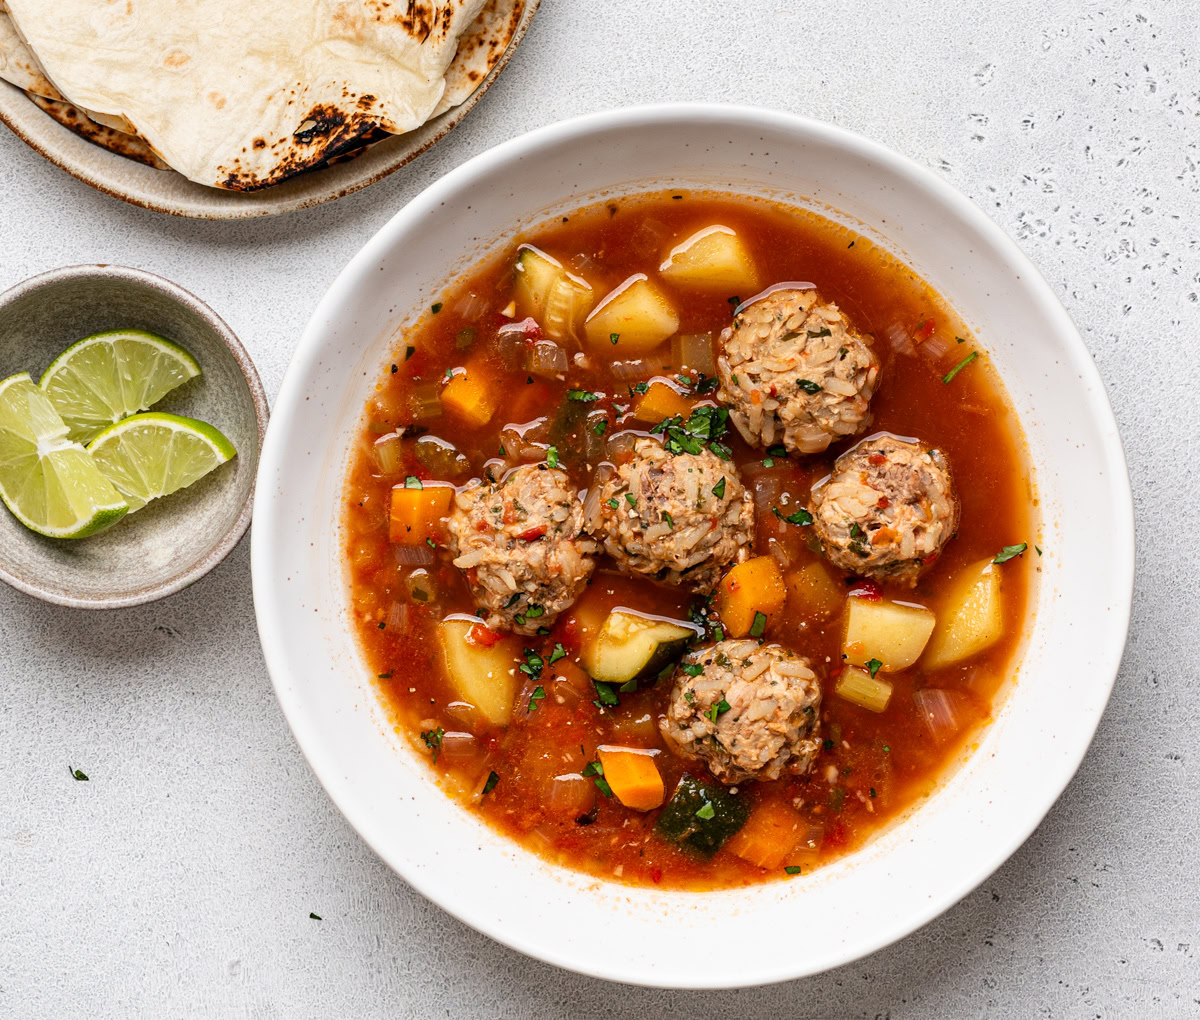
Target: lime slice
[151,455]
[49,482]
[103,378]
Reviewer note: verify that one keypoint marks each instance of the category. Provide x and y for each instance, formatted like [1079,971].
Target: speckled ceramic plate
[168,192]
[178,539]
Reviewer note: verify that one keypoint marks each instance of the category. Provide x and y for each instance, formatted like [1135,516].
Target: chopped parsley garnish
[431,543]
[612,501]
[960,366]
[383,676]
[539,693]
[558,653]
[873,666]
[689,696]
[315,917]
[492,779]
[1009,552]
[606,694]
[435,307]
[828,744]
[670,521]
[594,768]
[629,686]
[502,450]
[1038,549]
[534,610]
[639,388]
[960,339]
[707,383]
[78,775]
[600,427]
[631,499]
[808,385]
[872,789]
[759,625]
[433,740]
[692,668]
[794,869]
[768,461]
[613,337]
[413,482]
[532,666]
[513,600]
[552,456]
[850,245]
[718,709]
[409,351]
[735,300]
[706,811]
[718,490]
[583,396]
[801,517]
[816,334]
[704,425]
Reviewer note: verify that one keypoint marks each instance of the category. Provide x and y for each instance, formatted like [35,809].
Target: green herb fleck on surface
[558,653]
[949,376]
[435,307]
[1009,552]
[552,456]
[383,676]
[794,869]
[582,396]
[759,625]
[409,351]
[816,334]
[669,520]
[539,694]
[413,482]
[433,740]
[600,427]
[606,693]
[492,779]
[706,811]
[315,917]
[692,668]
[873,666]
[631,499]
[613,338]
[612,501]
[718,709]
[808,386]
[718,490]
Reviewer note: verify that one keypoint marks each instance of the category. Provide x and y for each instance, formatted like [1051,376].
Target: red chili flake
[869,591]
[656,875]
[883,503]
[924,330]
[533,534]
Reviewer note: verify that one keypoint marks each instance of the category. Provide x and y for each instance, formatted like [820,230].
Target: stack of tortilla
[244,94]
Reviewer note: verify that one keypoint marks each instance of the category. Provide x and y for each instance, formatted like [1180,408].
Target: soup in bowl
[674,527]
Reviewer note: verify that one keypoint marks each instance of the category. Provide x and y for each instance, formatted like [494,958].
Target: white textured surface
[179,880]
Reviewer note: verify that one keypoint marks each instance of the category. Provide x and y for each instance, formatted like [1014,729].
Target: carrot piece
[633,776]
[661,401]
[748,589]
[471,394]
[417,513]
[769,836]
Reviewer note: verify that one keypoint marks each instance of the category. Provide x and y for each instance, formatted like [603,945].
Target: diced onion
[933,349]
[571,795]
[694,352]
[413,555]
[547,359]
[944,713]
[397,617]
[469,307]
[513,346]
[627,371]
[620,445]
[458,747]
[899,338]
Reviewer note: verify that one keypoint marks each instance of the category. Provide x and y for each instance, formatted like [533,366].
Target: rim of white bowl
[481,166]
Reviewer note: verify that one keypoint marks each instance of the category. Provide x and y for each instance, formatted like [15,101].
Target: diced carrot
[633,776]
[471,394]
[661,401]
[417,513]
[769,836]
[749,588]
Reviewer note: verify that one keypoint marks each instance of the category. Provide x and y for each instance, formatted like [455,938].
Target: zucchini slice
[629,646]
[547,291]
[701,817]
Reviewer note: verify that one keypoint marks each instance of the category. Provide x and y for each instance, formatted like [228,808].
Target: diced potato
[483,674]
[770,836]
[752,587]
[472,395]
[633,776]
[889,632]
[859,687]
[661,401]
[712,257]
[814,591]
[416,514]
[970,619]
[637,314]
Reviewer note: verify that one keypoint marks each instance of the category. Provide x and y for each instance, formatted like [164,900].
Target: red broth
[873,766]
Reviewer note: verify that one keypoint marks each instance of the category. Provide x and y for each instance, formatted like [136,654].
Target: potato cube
[970,619]
[889,632]
[634,318]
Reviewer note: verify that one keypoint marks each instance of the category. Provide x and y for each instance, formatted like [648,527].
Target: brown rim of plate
[174,195]
[258,397]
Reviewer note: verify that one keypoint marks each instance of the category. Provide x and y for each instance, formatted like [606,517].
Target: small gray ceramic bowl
[175,540]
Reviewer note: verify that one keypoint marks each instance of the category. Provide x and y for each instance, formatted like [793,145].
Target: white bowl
[909,873]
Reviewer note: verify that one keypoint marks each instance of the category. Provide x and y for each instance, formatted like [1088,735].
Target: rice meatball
[887,509]
[682,519]
[520,544]
[751,712]
[793,371]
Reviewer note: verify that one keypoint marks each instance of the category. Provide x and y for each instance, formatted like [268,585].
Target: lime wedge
[49,482]
[151,455]
[103,378]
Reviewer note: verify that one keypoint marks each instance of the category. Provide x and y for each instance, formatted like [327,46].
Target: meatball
[519,542]
[793,371]
[887,509]
[751,712]
[682,519]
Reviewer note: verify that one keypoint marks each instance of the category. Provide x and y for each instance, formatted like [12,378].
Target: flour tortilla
[18,64]
[228,106]
[120,142]
[479,50]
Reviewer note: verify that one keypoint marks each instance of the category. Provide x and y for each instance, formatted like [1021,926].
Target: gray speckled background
[178,881]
